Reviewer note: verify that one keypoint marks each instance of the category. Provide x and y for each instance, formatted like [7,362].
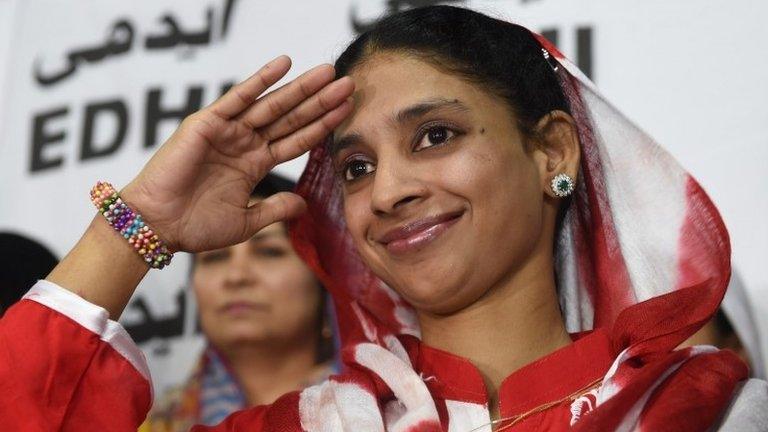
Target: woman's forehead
[388,87]
[397,78]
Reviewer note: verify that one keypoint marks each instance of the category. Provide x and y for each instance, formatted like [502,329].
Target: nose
[395,185]
[240,272]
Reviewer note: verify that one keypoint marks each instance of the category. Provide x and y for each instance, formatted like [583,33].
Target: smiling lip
[415,235]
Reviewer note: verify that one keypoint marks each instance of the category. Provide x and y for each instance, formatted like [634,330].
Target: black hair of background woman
[22,262]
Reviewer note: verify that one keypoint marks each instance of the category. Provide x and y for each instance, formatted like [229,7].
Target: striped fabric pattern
[220,395]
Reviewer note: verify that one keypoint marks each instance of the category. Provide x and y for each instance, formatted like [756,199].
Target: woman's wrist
[141,200]
[102,268]
[131,226]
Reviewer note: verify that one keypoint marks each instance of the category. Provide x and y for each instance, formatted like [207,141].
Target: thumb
[276,208]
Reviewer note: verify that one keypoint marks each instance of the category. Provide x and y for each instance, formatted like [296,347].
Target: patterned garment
[210,395]
[220,395]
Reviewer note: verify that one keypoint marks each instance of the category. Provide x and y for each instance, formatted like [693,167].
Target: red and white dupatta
[643,254]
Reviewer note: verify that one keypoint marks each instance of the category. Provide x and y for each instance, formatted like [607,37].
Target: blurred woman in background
[264,316]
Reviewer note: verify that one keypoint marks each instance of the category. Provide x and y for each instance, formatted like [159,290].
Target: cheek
[294,289]
[500,183]
[357,214]
[506,200]
[513,194]
[204,284]
[486,174]
[208,289]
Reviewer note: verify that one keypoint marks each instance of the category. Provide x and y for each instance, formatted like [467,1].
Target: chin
[441,295]
[246,335]
[425,281]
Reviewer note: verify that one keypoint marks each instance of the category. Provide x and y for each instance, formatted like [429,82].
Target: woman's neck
[267,370]
[516,322]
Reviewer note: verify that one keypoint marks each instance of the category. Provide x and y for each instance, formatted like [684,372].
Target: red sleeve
[65,366]
[247,420]
[281,416]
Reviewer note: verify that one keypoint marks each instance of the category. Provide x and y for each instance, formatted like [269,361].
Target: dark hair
[22,262]
[504,58]
[271,184]
[723,324]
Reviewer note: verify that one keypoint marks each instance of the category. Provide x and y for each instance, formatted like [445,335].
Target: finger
[325,100]
[270,107]
[275,208]
[244,94]
[304,139]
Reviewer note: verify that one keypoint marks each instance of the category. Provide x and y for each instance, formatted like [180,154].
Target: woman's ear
[557,150]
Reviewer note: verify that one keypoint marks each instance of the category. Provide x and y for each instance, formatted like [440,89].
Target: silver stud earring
[562,185]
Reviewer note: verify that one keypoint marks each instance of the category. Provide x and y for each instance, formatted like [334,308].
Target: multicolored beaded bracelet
[130,225]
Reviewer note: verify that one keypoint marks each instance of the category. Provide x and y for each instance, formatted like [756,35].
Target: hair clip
[552,62]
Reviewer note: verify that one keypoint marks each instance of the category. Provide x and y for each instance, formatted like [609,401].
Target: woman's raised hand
[195,190]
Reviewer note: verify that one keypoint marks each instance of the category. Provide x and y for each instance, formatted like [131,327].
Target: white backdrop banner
[89,89]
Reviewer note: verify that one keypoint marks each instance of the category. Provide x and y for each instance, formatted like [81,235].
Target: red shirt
[65,366]
[566,375]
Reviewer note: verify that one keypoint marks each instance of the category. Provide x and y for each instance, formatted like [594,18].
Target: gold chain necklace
[515,419]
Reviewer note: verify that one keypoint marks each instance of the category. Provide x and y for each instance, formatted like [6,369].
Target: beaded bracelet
[130,225]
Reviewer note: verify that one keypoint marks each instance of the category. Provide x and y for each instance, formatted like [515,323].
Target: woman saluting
[505,250]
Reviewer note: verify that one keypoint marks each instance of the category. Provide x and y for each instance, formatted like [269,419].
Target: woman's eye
[270,252]
[213,257]
[433,136]
[356,169]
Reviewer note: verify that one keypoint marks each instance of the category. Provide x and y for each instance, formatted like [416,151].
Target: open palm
[195,190]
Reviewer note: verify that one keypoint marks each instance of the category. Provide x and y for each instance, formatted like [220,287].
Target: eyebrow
[403,116]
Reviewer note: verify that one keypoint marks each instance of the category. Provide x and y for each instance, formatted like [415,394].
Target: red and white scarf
[643,254]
